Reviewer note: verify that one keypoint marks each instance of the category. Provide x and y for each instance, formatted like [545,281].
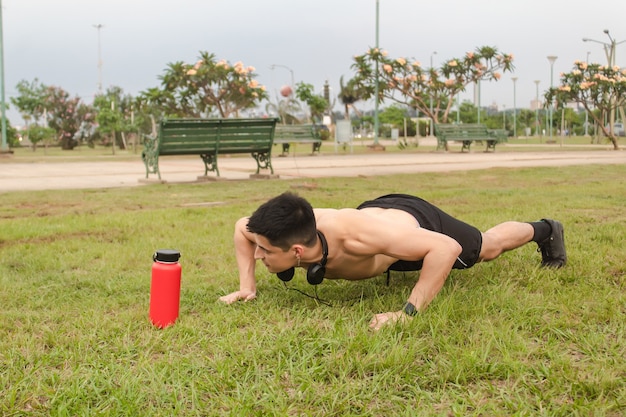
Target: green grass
[503,338]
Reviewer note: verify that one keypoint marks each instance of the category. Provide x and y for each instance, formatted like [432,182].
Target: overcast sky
[56,42]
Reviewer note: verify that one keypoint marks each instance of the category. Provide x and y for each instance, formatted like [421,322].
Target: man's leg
[548,234]
[504,237]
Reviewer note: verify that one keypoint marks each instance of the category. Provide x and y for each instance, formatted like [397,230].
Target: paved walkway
[56,175]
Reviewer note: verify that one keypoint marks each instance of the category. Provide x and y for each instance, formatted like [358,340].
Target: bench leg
[210,164]
[285,149]
[491,144]
[442,145]
[151,161]
[466,145]
[316,147]
[263,161]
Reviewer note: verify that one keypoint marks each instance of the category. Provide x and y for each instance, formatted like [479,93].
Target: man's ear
[297,250]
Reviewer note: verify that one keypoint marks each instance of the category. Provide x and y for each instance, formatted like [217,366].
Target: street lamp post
[536,107]
[551,59]
[609,50]
[586,112]
[478,101]
[274,66]
[98,27]
[431,68]
[5,142]
[293,87]
[514,107]
[376,122]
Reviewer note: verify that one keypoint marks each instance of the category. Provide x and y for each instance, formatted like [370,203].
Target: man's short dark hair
[285,220]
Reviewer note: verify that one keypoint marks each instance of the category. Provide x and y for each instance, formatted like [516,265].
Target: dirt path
[54,175]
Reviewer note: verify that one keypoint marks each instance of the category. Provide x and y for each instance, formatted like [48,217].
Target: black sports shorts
[432,218]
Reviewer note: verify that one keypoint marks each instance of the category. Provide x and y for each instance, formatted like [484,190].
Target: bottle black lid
[166,255]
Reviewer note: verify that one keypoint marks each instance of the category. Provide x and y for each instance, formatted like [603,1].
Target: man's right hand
[238,295]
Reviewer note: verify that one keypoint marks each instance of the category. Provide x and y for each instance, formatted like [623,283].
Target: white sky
[56,42]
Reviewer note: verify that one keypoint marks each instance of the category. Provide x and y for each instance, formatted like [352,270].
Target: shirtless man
[394,232]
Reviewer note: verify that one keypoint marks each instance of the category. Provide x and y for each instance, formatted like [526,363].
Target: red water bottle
[165,287]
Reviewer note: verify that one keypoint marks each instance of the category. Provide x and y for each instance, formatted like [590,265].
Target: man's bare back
[350,232]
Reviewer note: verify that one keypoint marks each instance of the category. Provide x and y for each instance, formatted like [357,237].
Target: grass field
[503,338]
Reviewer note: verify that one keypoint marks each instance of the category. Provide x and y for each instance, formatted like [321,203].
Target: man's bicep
[412,244]
[397,241]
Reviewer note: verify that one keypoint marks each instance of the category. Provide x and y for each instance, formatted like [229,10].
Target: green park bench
[502,135]
[209,138]
[467,133]
[286,135]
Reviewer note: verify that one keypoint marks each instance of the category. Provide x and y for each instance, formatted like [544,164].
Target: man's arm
[244,253]
[436,267]
[438,253]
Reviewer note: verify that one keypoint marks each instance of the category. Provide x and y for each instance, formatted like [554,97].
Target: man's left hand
[384,319]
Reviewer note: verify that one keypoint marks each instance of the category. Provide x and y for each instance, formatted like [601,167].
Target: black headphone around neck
[315,273]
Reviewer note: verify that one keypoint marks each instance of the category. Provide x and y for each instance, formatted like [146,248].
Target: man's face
[273,257]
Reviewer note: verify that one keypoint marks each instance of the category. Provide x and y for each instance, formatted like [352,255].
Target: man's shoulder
[339,219]
[319,212]
[347,213]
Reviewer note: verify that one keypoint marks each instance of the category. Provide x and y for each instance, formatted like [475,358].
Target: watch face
[410,309]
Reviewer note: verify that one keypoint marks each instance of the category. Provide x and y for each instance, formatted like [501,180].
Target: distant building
[536,104]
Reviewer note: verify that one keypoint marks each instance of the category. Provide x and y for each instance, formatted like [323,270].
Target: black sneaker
[553,248]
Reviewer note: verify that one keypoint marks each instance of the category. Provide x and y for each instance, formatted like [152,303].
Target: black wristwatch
[410,310]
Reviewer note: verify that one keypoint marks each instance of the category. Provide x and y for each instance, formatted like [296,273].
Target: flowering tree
[407,82]
[593,86]
[65,115]
[62,113]
[205,88]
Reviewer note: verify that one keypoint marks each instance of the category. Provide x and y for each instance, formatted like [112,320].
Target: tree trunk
[67,144]
[124,140]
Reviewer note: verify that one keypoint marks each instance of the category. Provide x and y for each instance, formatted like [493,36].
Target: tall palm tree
[286,109]
[349,94]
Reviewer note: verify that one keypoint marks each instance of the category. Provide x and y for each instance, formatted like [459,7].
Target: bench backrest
[296,132]
[500,134]
[246,135]
[461,130]
[187,136]
[197,136]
